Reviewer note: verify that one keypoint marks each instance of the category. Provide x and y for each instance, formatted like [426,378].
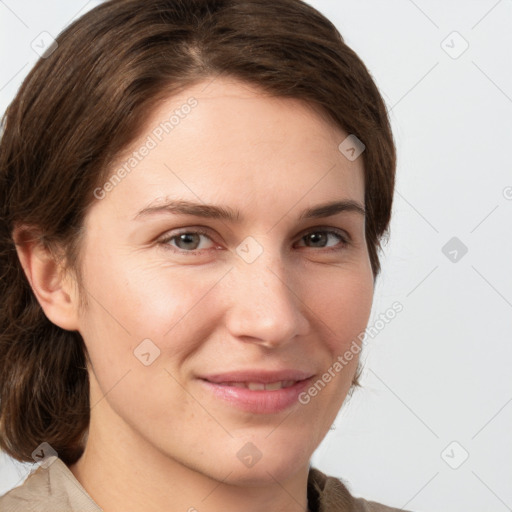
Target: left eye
[189,241]
[321,237]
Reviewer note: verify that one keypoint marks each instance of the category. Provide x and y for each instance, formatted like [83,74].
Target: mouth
[258,392]
[261,386]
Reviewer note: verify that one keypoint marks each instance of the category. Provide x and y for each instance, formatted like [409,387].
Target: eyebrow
[180,207]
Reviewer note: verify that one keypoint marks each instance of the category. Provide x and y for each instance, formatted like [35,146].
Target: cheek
[340,306]
[343,302]
[132,305]
[129,304]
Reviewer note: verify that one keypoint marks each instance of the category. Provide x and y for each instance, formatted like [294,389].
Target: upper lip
[264,376]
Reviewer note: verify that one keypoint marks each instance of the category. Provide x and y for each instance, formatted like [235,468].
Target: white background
[440,371]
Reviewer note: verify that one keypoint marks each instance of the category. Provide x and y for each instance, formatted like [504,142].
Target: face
[195,319]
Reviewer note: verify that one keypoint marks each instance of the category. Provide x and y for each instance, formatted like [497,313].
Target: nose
[266,304]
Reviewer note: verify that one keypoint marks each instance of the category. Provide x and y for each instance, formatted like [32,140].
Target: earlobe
[52,286]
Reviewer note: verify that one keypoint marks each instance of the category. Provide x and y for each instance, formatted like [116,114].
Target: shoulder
[372,506]
[330,494]
[29,495]
[49,489]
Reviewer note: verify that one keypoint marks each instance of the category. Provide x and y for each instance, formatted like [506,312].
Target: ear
[53,287]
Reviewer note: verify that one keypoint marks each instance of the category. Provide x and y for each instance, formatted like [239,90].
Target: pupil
[186,237]
[317,236]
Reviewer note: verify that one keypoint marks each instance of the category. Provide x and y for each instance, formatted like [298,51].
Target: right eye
[185,241]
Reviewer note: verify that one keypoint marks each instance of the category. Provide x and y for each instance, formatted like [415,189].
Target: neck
[140,478]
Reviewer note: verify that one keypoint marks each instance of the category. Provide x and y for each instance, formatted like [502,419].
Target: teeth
[271,386]
[260,386]
[236,384]
[256,386]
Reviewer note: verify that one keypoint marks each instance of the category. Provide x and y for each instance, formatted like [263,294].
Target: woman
[193,196]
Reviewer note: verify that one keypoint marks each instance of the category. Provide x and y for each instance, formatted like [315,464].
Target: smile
[260,393]
[260,386]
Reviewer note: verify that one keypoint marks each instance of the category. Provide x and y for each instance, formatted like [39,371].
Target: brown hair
[83,104]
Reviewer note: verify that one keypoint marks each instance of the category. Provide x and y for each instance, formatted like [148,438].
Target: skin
[160,440]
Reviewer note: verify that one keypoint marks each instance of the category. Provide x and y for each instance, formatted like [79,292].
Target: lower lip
[258,402]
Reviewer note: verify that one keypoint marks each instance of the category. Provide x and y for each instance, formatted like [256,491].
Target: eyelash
[345,240]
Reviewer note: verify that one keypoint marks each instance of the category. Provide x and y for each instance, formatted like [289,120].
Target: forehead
[225,141]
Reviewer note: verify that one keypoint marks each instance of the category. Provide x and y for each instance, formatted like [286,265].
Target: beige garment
[49,489]
[55,489]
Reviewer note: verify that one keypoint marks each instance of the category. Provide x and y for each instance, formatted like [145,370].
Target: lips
[258,391]
[261,376]
[260,386]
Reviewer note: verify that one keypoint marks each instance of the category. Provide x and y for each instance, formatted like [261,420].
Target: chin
[262,474]
[261,461]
